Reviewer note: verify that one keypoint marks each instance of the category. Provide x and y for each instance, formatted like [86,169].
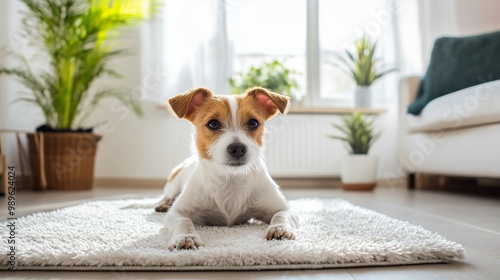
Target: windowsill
[322,111]
[335,111]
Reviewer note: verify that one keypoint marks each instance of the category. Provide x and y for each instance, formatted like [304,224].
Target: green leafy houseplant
[357,132]
[273,75]
[74,38]
[361,65]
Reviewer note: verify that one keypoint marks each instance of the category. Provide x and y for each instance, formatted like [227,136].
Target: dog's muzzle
[237,152]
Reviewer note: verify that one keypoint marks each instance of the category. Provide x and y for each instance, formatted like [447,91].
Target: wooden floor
[470,217]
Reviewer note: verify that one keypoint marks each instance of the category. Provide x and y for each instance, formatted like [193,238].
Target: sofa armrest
[408,88]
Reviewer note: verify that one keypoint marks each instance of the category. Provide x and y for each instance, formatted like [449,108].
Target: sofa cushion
[457,63]
[475,105]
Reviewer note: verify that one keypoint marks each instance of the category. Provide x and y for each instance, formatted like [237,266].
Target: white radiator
[298,146]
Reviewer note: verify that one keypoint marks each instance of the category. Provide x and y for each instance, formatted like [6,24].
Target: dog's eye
[213,125]
[253,124]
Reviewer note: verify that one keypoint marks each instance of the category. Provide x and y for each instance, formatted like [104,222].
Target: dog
[226,182]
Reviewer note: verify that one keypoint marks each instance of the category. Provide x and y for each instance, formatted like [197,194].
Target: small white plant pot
[359,172]
[362,97]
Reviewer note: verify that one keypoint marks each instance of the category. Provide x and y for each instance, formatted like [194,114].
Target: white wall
[455,18]
[477,16]
[13,115]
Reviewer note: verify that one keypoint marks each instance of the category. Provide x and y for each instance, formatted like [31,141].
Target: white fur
[211,192]
[220,157]
[233,105]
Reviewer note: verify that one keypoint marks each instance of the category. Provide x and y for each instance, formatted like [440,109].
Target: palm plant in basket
[362,66]
[358,168]
[73,40]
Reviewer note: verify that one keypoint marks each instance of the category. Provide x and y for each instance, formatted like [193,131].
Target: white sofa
[457,134]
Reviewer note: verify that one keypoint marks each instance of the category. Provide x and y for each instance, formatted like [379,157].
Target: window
[261,31]
[340,22]
[304,34]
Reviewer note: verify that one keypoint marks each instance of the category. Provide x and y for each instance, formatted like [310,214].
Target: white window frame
[153,46]
[312,98]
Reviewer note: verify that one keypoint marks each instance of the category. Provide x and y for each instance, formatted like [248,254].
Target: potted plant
[273,75]
[359,170]
[361,66]
[74,40]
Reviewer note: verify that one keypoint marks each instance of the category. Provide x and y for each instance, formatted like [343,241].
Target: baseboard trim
[159,183]
[129,182]
[312,182]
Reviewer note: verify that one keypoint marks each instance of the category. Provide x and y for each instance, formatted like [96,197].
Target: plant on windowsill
[361,66]
[358,169]
[73,39]
[273,75]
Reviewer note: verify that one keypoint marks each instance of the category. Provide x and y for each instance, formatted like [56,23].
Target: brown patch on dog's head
[259,104]
[201,107]
[215,109]
[186,105]
[270,101]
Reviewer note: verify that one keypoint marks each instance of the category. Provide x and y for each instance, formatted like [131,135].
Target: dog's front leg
[183,234]
[282,225]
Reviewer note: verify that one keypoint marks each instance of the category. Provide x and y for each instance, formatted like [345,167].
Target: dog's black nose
[237,150]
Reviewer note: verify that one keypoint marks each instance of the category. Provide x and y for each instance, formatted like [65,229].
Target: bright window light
[262,31]
[339,24]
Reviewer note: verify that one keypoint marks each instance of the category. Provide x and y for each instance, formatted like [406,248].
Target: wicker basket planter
[62,160]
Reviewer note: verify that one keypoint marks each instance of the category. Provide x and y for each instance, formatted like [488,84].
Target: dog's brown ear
[271,102]
[185,105]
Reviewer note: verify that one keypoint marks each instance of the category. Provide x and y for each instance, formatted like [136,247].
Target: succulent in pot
[358,171]
[364,69]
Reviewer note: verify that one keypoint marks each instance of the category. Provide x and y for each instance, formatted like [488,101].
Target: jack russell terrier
[227,182]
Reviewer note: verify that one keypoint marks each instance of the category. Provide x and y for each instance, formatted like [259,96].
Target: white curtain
[421,22]
[186,47]
[407,37]
[437,19]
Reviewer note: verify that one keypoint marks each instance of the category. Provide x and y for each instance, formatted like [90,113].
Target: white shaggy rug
[333,233]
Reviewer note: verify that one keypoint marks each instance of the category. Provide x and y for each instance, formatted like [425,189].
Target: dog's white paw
[185,242]
[279,232]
